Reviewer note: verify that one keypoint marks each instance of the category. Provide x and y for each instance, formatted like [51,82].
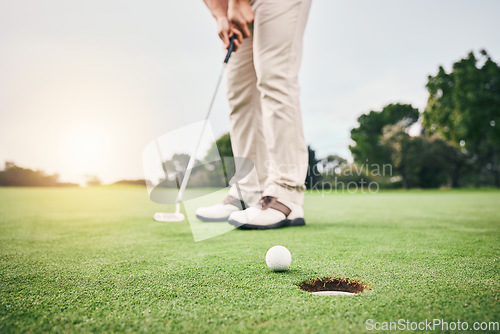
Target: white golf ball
[278,258]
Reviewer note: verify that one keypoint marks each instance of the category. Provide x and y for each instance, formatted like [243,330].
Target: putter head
[167,217]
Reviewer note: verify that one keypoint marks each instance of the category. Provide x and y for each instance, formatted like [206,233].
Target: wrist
[220,17]
[219,14]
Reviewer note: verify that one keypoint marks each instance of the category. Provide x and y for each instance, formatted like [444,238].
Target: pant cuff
[285,193]
[251,198]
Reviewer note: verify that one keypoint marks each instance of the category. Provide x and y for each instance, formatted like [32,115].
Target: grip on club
[230,49]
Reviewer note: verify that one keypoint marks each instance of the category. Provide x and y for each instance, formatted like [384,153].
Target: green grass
[80,260]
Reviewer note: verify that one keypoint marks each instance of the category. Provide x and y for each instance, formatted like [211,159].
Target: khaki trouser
[263,93]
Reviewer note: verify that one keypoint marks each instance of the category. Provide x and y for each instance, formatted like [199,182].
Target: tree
[464,107]
[177,164]
[396,142]
[367,135]
[16,176]
[222,149]
[92,180]
[422,161]
[331,164]
[313,175]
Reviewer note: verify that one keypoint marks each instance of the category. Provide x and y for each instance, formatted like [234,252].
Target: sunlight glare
[84,148]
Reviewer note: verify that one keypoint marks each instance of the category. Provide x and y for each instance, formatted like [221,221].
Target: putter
[177,216]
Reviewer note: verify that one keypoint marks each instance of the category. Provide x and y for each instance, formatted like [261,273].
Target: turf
[80,260]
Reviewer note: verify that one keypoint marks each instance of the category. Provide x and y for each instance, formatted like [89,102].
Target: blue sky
[86,85]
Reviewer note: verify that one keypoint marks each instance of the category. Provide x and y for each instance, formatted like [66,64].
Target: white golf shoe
[220,212]
[269,214]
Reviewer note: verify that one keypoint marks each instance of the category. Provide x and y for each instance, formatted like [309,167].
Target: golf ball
[278,258]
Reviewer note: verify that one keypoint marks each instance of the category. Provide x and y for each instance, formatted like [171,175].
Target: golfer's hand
[240,14]
[226,30]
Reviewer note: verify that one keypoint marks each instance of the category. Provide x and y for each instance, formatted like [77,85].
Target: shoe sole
[212,220]
[283,223]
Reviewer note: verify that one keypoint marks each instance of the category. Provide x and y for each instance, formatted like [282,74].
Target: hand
[240,14]
[226,30]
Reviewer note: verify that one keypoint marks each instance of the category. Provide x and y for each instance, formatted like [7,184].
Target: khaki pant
[263,93]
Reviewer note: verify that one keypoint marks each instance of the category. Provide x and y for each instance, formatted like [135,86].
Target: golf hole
[333,286]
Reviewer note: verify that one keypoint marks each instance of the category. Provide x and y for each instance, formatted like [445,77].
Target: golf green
[81,260]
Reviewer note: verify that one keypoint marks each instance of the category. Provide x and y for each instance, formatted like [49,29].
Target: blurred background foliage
[457,143]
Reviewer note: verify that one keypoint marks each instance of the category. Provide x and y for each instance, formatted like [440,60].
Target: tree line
[458,144]
[15,176]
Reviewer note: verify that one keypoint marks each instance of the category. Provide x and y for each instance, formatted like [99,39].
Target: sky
[85,86]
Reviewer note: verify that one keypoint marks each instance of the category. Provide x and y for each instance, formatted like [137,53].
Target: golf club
[177,216]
